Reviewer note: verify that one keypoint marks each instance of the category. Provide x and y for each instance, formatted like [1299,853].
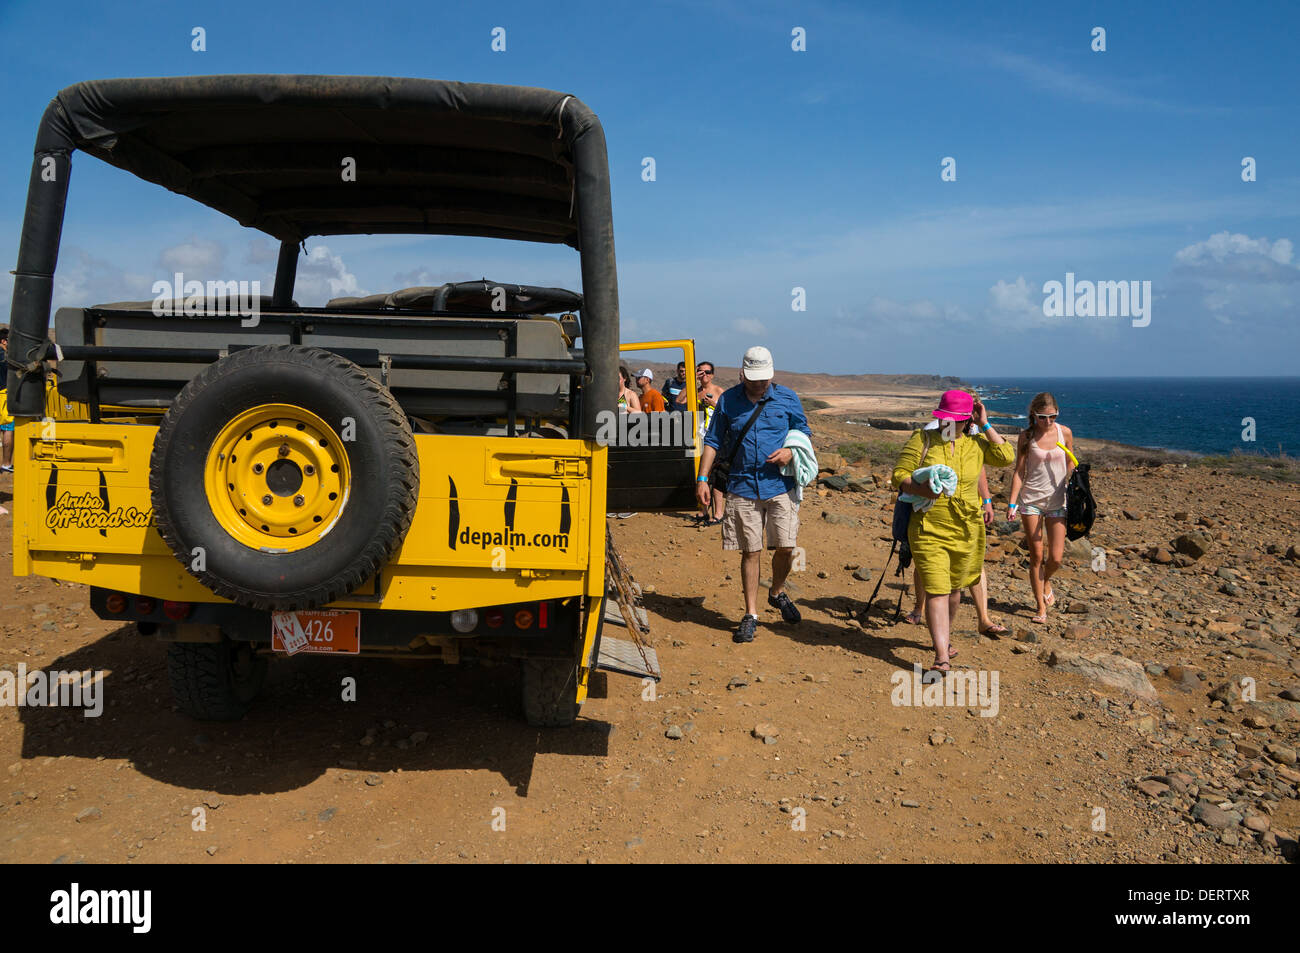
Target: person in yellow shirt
[979,592]
[947,539]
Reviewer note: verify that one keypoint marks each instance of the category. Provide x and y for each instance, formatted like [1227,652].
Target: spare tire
[284,477]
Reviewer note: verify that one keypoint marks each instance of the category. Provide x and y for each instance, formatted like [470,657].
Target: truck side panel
[499,520]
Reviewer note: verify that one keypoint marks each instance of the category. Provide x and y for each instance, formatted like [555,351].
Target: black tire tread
[201,681]
[398,511]
[548,689]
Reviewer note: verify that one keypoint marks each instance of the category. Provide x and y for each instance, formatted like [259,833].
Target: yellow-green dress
[947,540]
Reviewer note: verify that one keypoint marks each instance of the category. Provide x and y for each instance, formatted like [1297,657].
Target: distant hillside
[812,384]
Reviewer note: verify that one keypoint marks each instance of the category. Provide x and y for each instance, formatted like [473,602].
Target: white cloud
[889,309]
[201,259]
[321,276]
[83,280]
[423,277]
[1052,78]
[1233,278]
[750,326]
[262,252]
[1017,298]
[1224,247]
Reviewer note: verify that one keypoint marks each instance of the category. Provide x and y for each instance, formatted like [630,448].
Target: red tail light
[543,610]
[144,605]
[176,611]
[494,618]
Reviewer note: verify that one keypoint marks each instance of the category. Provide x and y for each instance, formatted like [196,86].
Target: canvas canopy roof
[270,151]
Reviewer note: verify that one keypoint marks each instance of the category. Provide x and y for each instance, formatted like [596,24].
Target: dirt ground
[436,764]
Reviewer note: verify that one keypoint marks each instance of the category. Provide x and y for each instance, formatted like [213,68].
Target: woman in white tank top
[1038,493]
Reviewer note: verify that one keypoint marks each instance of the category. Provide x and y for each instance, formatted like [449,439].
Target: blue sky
[778,169]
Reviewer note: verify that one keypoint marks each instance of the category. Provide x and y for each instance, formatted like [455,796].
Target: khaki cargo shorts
[746,522]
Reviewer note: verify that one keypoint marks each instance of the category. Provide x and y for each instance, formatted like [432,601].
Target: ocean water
[1197,414]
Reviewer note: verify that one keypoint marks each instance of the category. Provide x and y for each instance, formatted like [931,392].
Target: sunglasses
[1045,416]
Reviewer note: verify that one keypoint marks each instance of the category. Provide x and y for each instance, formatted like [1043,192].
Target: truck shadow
[408,716]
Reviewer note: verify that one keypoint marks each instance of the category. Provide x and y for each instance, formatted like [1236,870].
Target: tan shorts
[746,522]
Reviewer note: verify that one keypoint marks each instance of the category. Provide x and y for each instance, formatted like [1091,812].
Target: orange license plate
[327,631]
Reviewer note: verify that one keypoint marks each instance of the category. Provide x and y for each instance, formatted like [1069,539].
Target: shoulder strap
[925,448]
[744,430]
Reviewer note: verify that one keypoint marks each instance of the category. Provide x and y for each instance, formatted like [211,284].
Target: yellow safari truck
[421,473]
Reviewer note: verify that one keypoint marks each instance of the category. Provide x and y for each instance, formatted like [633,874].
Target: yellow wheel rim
[277,478]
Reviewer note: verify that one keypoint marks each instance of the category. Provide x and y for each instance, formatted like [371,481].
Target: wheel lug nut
[298,501]
[257,468]
[309,469]
[267,499]
[284,449]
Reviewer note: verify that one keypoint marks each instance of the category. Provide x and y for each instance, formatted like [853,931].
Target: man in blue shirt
[761,501]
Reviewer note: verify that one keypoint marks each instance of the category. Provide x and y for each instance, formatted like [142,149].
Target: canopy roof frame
[270,151]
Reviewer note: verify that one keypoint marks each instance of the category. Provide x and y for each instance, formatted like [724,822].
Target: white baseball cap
[647,373]
[757,365]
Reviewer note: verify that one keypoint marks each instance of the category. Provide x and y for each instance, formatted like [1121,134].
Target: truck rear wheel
[284,477]
[215,681]
[550,689]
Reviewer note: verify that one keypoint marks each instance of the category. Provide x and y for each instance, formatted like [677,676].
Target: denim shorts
[1027,510]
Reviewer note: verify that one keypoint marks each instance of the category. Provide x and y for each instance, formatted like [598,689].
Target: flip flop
[1050,598]
[914,618]
[996,628]
[1038,618]
[942,668]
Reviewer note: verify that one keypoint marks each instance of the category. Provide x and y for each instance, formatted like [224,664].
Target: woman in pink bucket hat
[947,537]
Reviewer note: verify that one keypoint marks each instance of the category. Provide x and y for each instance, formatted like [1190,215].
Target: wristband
[987,427]
[988,501]
[702,479]
[1013,506]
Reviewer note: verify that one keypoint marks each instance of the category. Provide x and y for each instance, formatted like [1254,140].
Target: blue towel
[803,462]
[940,478]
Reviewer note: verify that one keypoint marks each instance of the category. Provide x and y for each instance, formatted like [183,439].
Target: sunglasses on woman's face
[1045,416]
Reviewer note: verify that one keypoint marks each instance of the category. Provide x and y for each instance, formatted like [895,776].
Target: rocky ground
[1154,718]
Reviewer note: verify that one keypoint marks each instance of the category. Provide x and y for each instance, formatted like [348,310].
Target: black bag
[721,471]
[1080,507]
[902,516]
[903,511]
